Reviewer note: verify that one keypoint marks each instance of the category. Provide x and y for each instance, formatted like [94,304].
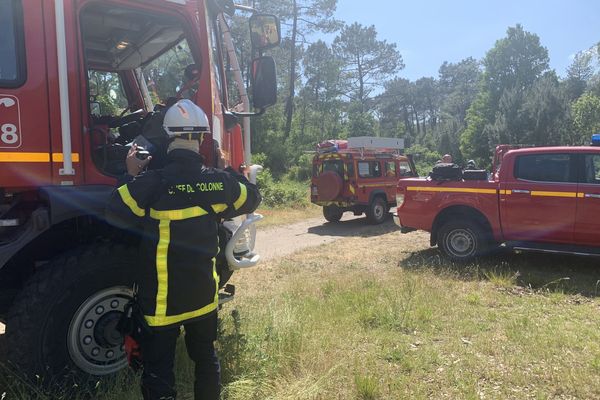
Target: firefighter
[176,211]
[190,84]
[447,159]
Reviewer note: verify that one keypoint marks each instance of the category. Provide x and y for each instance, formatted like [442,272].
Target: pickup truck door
[538,202]
[587,221]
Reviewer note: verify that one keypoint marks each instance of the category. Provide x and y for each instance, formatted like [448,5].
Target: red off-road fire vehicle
[80,81]
[358,175]
[542,199]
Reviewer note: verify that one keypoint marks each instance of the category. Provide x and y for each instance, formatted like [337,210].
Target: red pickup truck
[542,199]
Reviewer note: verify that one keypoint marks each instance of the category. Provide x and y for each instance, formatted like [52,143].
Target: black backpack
[446,172]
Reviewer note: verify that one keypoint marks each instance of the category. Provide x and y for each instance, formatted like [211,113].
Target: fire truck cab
[80,82]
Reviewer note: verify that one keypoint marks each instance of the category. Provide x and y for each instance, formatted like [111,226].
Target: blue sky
[427,33]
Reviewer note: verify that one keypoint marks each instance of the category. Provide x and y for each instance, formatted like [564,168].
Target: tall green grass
[375,318]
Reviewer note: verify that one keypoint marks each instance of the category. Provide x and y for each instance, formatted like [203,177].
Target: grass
[275,216]
[385,317]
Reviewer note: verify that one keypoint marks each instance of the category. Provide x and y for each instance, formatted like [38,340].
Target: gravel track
[278,241]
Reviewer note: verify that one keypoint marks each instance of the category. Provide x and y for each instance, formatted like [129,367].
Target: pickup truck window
[544,168]
[369,169]
[592,169]
[12,54]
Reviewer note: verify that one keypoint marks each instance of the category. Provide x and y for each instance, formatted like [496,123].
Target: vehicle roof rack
[382,146]
[375,143]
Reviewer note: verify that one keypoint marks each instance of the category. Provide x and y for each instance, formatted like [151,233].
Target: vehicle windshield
[129,41]
[165,75]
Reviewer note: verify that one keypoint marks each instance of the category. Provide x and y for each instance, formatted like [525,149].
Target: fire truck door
[539,203]
[587,222]
[391,179]
[25,158]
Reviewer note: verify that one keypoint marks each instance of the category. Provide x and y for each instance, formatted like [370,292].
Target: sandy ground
[279,241]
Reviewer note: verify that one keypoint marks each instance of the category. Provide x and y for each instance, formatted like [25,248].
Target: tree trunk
[407,123]
[289,105]
[361,87]
[417,121]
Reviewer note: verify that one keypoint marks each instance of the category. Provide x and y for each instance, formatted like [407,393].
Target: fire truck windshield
[166,75]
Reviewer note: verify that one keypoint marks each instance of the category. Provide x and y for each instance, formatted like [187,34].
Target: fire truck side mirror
[265,31]
[264,82]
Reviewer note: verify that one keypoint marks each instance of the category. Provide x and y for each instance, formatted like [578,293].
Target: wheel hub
[378,211]
[105,331]
[94,343]
[460,242]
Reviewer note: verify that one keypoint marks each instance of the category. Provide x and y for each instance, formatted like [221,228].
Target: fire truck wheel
[461,240]
[64,320]
[377,211]
[332,213]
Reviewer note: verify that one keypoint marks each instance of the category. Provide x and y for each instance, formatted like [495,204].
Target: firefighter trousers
[158,353]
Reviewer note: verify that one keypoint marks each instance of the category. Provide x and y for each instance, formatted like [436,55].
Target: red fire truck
[80,81]
[358,175]
[539,198]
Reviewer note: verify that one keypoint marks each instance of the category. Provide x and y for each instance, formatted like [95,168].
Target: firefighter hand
[221,162]
[134,164]
[245,170]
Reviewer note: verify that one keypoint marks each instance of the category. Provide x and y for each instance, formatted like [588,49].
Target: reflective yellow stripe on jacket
[162,271]
[164,320]
[177,215]
[130,201]
[242,198]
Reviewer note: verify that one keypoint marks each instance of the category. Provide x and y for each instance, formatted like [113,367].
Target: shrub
[424,158]
[303,170]
[285,193]
[280,193]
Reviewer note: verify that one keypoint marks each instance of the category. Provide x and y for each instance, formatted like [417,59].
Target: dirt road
[279,241]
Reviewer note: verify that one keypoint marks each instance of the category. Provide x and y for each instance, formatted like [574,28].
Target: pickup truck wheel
[62,325]
[461,240]
[332,213]
[377,211]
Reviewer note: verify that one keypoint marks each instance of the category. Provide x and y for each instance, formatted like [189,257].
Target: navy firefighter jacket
[175,210]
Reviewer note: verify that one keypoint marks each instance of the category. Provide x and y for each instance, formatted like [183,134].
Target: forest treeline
[351,86]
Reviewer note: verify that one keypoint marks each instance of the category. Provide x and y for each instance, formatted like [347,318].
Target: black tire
[377,211]
[462,241]
[332,213]
[62,324]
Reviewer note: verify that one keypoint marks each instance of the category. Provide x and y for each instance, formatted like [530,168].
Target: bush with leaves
[424,158]
[302,171]
[280,193]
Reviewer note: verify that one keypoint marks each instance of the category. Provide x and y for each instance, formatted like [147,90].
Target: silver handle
[592,196]
[522,191]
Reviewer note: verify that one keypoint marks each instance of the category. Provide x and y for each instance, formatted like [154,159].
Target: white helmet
[185,118]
